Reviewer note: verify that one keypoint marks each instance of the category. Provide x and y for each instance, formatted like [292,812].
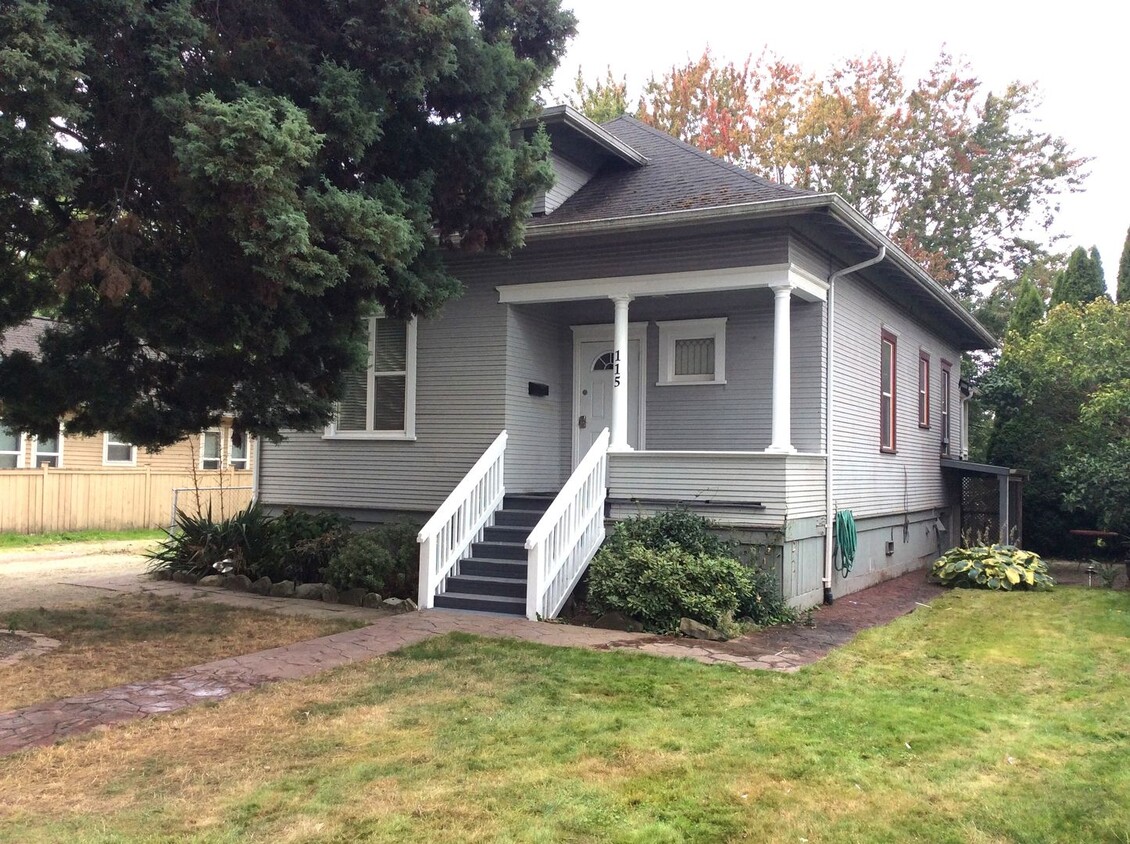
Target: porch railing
[460,520]
[568,535]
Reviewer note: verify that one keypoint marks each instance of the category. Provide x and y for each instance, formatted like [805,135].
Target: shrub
[301,545]
[663,567]
[197,543]
[1004,567]
[385,560]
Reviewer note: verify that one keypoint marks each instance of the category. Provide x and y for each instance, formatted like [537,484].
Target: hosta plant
[1004,567]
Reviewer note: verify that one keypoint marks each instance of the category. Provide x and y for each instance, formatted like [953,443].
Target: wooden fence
[48,500]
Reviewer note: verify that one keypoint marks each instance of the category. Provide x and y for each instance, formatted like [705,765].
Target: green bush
[664,567]
[197,543]
[385,560]
[301,545]
[1003,567]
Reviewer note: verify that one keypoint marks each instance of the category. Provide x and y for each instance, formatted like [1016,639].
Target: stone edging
[40,645]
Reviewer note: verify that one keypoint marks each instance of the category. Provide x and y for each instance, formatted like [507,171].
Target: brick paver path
[779,649]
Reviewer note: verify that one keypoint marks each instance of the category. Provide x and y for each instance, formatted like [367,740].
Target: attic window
[692,351]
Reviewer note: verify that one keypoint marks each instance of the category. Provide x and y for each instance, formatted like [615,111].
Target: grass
[127,638]
[986,718]
[10,541]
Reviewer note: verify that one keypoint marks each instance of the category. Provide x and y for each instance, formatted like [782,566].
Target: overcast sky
[1076,53]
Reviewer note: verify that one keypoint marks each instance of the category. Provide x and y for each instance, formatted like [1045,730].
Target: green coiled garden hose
[845,542]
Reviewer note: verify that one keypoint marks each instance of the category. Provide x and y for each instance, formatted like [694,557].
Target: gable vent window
[380,400]
[692,351]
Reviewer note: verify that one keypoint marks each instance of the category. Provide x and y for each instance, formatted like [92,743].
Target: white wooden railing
[568,535]
[460,520]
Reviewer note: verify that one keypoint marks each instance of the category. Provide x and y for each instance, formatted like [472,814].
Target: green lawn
[986,718]
[10,541]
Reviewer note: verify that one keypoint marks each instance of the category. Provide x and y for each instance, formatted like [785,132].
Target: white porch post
[619,439]
[782,370]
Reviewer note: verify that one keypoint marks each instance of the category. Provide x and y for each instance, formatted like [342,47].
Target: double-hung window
[211,449]
[116,451]
[380,400]
[11,448]
[239,450]
[887,392]
[923,390]
[48,451]
[945,405]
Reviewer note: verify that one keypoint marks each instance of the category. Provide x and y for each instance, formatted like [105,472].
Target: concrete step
[481,603]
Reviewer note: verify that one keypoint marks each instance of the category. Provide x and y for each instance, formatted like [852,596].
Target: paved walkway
[779,649]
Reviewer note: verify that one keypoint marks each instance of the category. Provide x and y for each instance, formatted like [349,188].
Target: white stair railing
[460,520]
[568,535]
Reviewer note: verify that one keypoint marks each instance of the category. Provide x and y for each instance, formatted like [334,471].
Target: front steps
[493,577]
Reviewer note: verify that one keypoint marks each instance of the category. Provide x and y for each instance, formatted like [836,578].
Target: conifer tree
[1082,281]
[1028,309]
[1123,290]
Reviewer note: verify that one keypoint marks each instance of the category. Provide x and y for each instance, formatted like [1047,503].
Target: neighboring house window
[211,452]
[11,448]
[380,401]
[48,452]
[887,392]
[692,351]
[923,390]
[116,451]
[239,448]
[945,405]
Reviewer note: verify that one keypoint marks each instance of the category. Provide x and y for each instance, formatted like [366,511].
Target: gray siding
[866,481]
[460,402]
[538,451]
[569,178]
[808,257]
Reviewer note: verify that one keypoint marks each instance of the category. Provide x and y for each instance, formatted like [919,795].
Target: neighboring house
[692,310]
[70,482]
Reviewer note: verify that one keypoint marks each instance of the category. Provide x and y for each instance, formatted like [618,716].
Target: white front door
[594,368]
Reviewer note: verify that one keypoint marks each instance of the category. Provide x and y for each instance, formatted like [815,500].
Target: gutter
[829,450]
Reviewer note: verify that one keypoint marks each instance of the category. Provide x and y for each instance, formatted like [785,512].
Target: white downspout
[829,504]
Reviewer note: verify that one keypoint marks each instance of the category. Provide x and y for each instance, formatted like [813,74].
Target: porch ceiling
[805,285]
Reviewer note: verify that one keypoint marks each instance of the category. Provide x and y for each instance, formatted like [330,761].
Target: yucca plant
[1003,567]
[197,543]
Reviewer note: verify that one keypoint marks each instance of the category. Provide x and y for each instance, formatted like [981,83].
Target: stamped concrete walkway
[779,649]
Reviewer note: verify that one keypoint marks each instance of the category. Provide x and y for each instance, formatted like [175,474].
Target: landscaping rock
[262,586]
[329,594]
[283,589]
[617,621]
[371,600]
[183,577]
[355,597]
[212,580]
[309,591]
[238,583]
[398,604]
[697,630]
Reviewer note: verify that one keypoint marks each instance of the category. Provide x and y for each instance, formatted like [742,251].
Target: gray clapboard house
[674,332]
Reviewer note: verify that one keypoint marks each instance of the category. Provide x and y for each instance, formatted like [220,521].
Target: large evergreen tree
[1028,309]
[211,195]
[1082,281]
[1123,290]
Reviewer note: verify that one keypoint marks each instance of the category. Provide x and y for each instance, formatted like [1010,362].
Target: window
[380,401]
[887,392]
[11,448]
[117,452]
[239,449]
[211,453]
[48,452]
[945,405]
[923,390]
[692,351]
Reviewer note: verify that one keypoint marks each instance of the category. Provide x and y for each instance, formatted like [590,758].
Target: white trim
[599,333]
[219,458]
[691,329]
[22,440]
[106,461]
[58,454]
[408,433]
[248,442]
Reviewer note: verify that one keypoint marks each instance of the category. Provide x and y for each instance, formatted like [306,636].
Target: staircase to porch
[493,578]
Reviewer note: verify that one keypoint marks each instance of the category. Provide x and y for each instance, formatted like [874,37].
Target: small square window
[117,451]
[692,351]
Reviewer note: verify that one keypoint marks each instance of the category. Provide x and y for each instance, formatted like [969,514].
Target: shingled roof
[676,177]
[25,336]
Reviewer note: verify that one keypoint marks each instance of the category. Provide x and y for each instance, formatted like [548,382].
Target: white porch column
[782,370]
[619,438]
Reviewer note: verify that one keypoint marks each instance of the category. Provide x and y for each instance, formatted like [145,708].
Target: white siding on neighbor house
[569,178]
[867,482]
[460,409]
[538,451]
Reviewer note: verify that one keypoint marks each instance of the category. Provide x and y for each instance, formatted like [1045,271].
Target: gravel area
[11,645]
[36,577]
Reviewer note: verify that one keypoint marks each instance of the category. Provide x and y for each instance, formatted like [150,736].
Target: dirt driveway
[51,575]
